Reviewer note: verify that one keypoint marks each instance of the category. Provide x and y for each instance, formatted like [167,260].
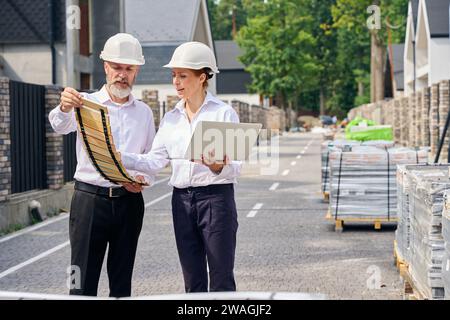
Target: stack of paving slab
[408,177]
[330,146]
[446,237]
[363,181]
[426,246]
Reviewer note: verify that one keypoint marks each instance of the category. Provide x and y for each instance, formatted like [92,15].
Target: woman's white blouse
[172,140]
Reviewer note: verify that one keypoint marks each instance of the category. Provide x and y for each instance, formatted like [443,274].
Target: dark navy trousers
[205,223]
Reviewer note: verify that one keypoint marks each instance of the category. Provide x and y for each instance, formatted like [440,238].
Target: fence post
[443,111]
[54,142]
[434,119]
[5,140]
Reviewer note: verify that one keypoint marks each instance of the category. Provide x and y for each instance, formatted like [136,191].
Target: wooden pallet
[410,290]
[339,223]
[398,261]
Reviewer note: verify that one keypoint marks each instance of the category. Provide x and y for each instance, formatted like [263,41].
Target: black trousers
[205,223]
[95,222]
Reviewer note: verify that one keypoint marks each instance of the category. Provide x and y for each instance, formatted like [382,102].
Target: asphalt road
[284,242]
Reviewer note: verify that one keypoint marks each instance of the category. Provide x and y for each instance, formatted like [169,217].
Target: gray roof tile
[161,21]
[26,21]
[438,17]
[152,72]
[227,52]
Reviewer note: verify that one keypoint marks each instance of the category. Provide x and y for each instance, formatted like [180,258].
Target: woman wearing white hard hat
[203,205]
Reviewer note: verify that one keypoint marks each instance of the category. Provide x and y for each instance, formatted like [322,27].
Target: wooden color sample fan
[94,126]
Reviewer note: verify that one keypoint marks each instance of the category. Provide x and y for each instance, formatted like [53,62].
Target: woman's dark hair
[208,73]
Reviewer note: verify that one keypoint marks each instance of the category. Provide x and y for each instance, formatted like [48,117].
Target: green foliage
[11,229]
[298,49]
[222,17]
[278,48]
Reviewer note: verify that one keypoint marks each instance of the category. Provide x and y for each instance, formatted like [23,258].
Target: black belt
[112,192]
[210,188]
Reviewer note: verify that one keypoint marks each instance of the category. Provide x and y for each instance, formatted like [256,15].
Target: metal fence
[70,158]
[28,164]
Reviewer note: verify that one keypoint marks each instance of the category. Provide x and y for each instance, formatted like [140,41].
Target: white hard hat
[193,55]
[123,48]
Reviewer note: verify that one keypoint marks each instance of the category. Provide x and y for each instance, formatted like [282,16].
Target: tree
[228,16]
[278,49]
[386,16]
[325,48]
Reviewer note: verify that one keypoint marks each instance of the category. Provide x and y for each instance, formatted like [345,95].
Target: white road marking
[293,163]
[274,186]
[254,210]
[51,220]
[157,199]
[258,206]
[299,156]
[34,259]
[285,172]
[61,246]
[35,227]
[252,213]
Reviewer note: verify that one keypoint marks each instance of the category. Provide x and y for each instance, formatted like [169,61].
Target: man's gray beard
[119,92]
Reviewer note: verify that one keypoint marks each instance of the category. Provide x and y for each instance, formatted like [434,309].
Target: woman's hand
[214,165]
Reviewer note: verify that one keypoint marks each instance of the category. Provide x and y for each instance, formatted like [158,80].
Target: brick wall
[418,120]
[171,102]
[54,142]
[5,140]
[150,97]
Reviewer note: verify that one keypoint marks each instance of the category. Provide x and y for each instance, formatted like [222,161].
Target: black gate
[70,156]
[28,164]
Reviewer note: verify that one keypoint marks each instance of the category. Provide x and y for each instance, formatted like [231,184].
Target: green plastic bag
[372,132]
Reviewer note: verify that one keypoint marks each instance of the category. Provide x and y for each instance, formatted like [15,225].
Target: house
[233,80]
[56,41]
[429,63]
[410,47]
[161,26]
[395,87]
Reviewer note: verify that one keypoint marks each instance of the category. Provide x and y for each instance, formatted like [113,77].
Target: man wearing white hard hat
[104,214]
[203,205]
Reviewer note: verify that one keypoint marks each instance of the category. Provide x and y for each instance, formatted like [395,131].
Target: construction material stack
[363,182]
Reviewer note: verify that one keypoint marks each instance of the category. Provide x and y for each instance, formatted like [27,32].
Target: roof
[397,53]
[438,17]
[161,21]
[152,72]
[27,21]
[227,52]
[415,11]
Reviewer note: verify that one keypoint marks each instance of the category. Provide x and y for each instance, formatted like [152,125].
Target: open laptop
[235,140]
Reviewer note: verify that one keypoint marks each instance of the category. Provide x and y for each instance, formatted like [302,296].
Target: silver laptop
[235,140]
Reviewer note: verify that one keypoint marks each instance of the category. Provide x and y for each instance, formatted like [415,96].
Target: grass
[11,229]
[18,226]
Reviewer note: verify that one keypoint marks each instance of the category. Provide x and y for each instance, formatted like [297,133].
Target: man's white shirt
[171,143]
[132,128]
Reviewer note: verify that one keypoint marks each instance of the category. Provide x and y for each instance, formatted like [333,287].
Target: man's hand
[70,98]
[133,187]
